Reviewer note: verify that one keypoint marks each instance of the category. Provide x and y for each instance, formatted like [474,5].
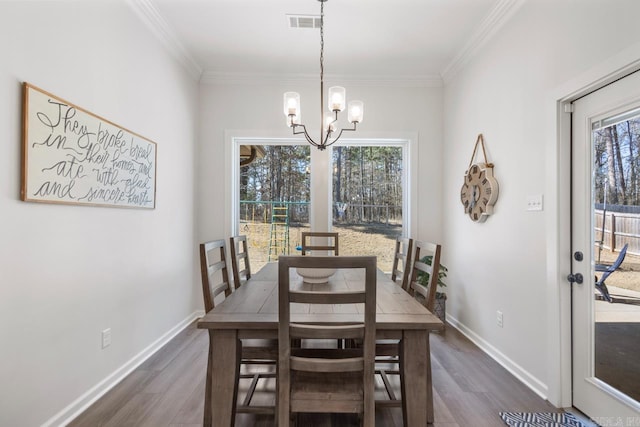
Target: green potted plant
[439,307]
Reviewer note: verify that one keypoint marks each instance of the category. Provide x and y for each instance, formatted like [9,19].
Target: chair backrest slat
[318,297]
[319,332]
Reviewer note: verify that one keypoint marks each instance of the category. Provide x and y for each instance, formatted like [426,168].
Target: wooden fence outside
[345,213]
[620,228]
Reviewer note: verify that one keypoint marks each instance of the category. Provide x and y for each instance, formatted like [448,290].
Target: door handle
[577,278]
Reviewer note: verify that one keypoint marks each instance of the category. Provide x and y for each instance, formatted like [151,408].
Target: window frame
[321,160]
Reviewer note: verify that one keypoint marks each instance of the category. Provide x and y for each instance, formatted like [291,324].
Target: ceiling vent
[303,21]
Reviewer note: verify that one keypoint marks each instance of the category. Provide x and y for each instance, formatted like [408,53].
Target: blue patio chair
[606,271]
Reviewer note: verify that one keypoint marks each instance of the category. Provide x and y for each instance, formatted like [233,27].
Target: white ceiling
[363,38]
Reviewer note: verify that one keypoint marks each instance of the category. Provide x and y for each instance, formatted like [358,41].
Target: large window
[273,197]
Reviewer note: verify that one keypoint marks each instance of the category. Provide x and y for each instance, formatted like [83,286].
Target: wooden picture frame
[72,156]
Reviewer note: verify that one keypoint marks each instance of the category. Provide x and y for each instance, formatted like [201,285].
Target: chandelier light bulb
[337,96]
[356,111]
[329,122]
[291,103]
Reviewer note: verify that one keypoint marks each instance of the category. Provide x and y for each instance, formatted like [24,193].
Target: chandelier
[336,98]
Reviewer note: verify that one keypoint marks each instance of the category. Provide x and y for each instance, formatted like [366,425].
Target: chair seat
[322,392]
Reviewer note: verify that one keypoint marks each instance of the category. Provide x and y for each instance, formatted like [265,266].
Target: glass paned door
[606,231]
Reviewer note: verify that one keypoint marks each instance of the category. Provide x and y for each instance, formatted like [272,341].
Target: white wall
[254,108]
[506,92]
[68,272]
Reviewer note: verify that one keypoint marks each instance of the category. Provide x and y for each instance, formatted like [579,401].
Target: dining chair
[326,380]
[331,240]
[240,260]
[426,294]
[606,270]
[402,257]
[215,282]
[387,351]
[213,267]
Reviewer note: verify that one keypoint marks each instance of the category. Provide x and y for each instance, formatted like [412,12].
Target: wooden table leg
[415,364]
[429,382]
[223,368]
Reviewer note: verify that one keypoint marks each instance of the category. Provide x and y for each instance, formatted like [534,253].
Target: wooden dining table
[251,311]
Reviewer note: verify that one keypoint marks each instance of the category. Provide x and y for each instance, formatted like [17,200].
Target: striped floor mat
[540,419]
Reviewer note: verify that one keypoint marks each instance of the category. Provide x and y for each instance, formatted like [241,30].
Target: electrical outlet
[106,338]
[499,318]
[534,203]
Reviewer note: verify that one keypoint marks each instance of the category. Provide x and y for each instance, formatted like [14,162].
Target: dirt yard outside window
[361,239]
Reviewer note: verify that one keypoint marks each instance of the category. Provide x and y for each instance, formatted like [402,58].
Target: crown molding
[213,78]
[499,15]
[148,13]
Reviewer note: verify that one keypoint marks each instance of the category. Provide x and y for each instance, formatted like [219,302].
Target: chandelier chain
[321,41]
[321,67]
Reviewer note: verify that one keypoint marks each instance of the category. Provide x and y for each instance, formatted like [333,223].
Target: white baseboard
[537,386]
[78,406]
[69,413]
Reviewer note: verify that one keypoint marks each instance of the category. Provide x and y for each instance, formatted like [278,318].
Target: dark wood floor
[470,389]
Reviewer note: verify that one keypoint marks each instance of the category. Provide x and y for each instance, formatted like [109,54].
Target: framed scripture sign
[73,156]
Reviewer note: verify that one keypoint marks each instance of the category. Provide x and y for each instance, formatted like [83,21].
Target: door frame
[558,214]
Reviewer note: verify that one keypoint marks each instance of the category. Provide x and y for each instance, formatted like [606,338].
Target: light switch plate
[534,203]
[106,338]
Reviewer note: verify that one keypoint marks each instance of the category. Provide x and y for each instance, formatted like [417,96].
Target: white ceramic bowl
[316,275]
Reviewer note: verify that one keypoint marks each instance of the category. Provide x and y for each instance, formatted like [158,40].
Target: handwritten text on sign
[73,156]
